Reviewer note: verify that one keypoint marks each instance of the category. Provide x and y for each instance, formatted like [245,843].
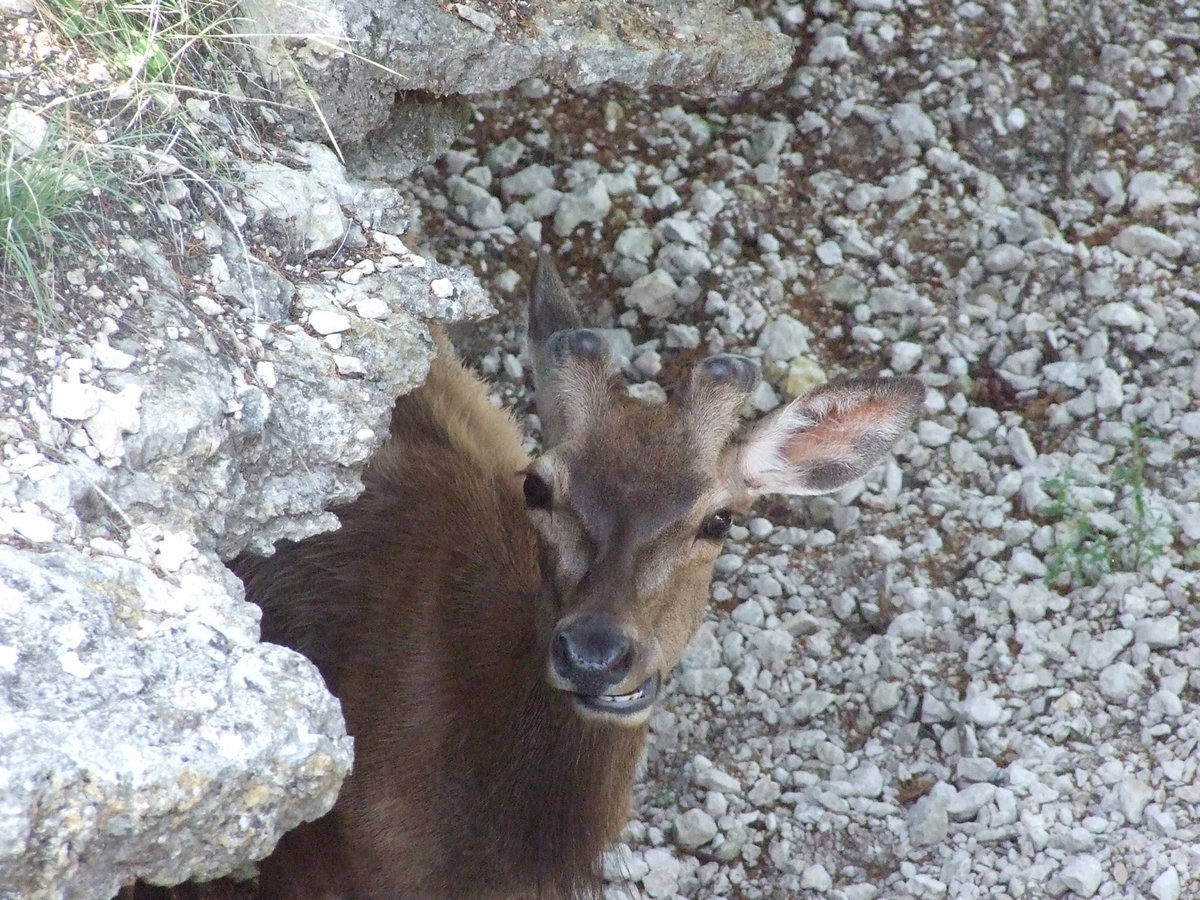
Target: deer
[499,628]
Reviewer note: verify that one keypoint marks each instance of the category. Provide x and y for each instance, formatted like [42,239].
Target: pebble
[1120,681]
[694,829]
[829,253]
[1083,875]
[653,294]
[679,231]
[911,124]
[966,804]
[1003,258]
[1142,240]
[816,878]
[1159,634]
[1102,651]
[933,434]
[636,242]
[371,308]
[326,321]
[662,881]
[928,819]
[587,203]
[783,339]
[527,182]
[829,49]
[110,358]
[905,356]
[74,401]
[1166,885]
[32,526]
[1133,795]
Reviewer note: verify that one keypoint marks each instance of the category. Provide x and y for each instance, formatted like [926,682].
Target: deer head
[633,500]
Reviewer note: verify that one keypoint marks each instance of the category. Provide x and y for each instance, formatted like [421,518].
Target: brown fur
[534,792]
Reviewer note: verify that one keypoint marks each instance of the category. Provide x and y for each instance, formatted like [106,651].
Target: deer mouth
[634,703]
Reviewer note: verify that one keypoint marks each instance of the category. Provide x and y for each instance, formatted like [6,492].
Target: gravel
[974,673]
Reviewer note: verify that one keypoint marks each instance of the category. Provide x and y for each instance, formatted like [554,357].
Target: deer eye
[537,493]
[716,526]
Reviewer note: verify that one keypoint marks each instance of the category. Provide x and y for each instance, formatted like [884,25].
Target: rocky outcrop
[144,731]
[386,74]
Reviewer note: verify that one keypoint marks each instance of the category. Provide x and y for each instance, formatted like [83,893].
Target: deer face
[633,500]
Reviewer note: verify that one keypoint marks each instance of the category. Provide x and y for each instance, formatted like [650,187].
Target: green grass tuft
[42,197]
[1131,536]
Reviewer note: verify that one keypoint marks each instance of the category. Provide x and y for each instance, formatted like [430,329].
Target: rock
[976,768]
[928,819]
[1003,258]
[482,210]
[694,829]
[149,717]
[885,696]
[768,141]
[620,863]
[636,242]
[982,710]
[1142,240]
[326,321]
[302,209]
[1133,795]
[933,434]
[811,703]
[678,231]
[437,53]
[829,49]
[587,203]
[26,129]
[662,881]
[653,294]
[74,401]
[816,878]
[966,804]
[35,528]
[844,290]
[505,156]
[108,357]
[1101,651]
[1158,634]
[527,182]
[1166,885]
[783,339]
[708,776]
[911,125]
[118,415]
[1083,874]
[1119,682]
[829,253]
[905,356]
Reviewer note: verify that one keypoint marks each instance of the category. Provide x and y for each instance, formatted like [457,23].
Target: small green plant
[41,201]
[1091,543]
[147,44]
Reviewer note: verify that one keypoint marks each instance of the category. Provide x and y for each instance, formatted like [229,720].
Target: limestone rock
[139,715]
[372,67]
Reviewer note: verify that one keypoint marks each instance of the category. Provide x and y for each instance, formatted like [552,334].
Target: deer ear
[827,438]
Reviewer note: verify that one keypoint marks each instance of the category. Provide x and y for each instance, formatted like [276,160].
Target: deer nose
[592,655]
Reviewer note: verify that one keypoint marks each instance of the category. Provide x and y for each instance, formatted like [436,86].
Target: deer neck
[551,789]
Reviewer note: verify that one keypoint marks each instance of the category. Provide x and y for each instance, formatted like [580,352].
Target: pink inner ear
[841,431]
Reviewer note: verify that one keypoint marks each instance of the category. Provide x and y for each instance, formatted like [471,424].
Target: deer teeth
[624,698]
